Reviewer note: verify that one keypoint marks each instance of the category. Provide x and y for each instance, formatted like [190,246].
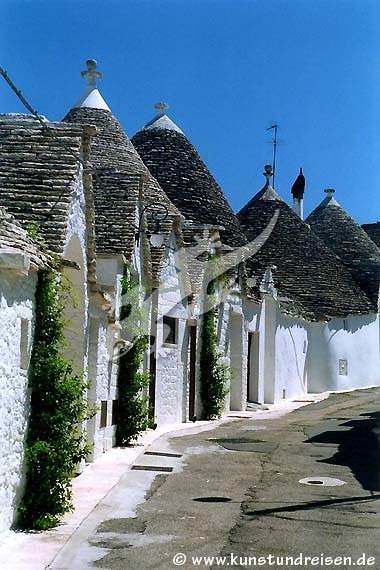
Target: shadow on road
[359,449]
[311,505]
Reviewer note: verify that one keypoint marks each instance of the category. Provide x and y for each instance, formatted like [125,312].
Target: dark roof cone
[311,281]
[349,241]
[185,178]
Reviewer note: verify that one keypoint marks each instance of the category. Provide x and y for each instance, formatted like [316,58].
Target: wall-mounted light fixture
[157,213]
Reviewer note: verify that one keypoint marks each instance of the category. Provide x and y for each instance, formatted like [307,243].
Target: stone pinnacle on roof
[268,192]
[91,72]
[161,120]
[161,108]
[268,172]
[329,199]
[91,97]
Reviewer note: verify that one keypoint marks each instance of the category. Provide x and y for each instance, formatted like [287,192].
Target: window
[115,404]
[169,330]
[103,414]
[24,344]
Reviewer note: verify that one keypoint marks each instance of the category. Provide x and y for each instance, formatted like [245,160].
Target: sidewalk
[37,550]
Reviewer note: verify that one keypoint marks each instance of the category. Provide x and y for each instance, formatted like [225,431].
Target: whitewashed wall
[278,353]
[354,340]
[16,334]
[75,250]
[237,340]
[172,360]
[290,360]
[76,223]
[103,357]
[255,319]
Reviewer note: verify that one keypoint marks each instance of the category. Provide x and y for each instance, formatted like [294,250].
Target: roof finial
[268,172]
[161,108]
[91,72]
[329,192]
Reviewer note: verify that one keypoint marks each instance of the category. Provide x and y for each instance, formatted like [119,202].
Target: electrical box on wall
[343,367]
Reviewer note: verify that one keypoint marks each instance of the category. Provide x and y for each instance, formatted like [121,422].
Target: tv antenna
[274,127]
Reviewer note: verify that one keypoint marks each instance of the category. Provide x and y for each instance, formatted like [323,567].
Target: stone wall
[172,358]
[16,333]
[291,349]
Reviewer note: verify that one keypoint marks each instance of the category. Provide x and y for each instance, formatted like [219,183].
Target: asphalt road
[234,492]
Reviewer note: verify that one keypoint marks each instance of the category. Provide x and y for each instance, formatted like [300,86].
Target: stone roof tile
[373,230]
[311,281]
[349,241]
[38,173]
[176,164]
[13,238]
[112,153]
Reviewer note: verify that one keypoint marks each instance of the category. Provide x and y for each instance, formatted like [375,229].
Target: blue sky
[228,69]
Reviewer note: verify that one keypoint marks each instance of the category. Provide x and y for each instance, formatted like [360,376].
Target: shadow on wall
[351,324]
[359,449]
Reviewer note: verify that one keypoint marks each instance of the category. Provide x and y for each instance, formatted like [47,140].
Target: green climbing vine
[34,232]
[214,374]
[133,415]
[55,444]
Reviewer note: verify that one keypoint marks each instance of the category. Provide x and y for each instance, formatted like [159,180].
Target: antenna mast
[275,127]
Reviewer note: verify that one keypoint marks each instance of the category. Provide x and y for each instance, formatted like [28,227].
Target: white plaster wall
[103,360]
[268,324]
[355,339]
[290,351]
[172,360]
[75,250]
[76,223]
[16,303]
[280,353]
[237,334]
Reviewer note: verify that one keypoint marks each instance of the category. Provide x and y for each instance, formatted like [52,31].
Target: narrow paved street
[234,492]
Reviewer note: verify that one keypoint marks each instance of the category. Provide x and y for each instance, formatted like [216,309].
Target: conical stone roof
[373,230]
[310,280]
[115,162]
[350,243]
[181,172]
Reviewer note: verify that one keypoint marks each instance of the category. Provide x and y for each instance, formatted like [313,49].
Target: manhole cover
[322,481]
[248,444]
[212,499]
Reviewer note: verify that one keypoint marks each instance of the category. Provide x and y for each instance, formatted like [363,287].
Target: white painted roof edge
[163,122]
[329,201]
[92,98]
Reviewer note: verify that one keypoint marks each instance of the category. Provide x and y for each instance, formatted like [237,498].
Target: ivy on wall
[133,409]
[214,374]
[55,444]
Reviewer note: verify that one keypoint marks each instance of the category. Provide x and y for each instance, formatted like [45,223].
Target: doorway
[253,367]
